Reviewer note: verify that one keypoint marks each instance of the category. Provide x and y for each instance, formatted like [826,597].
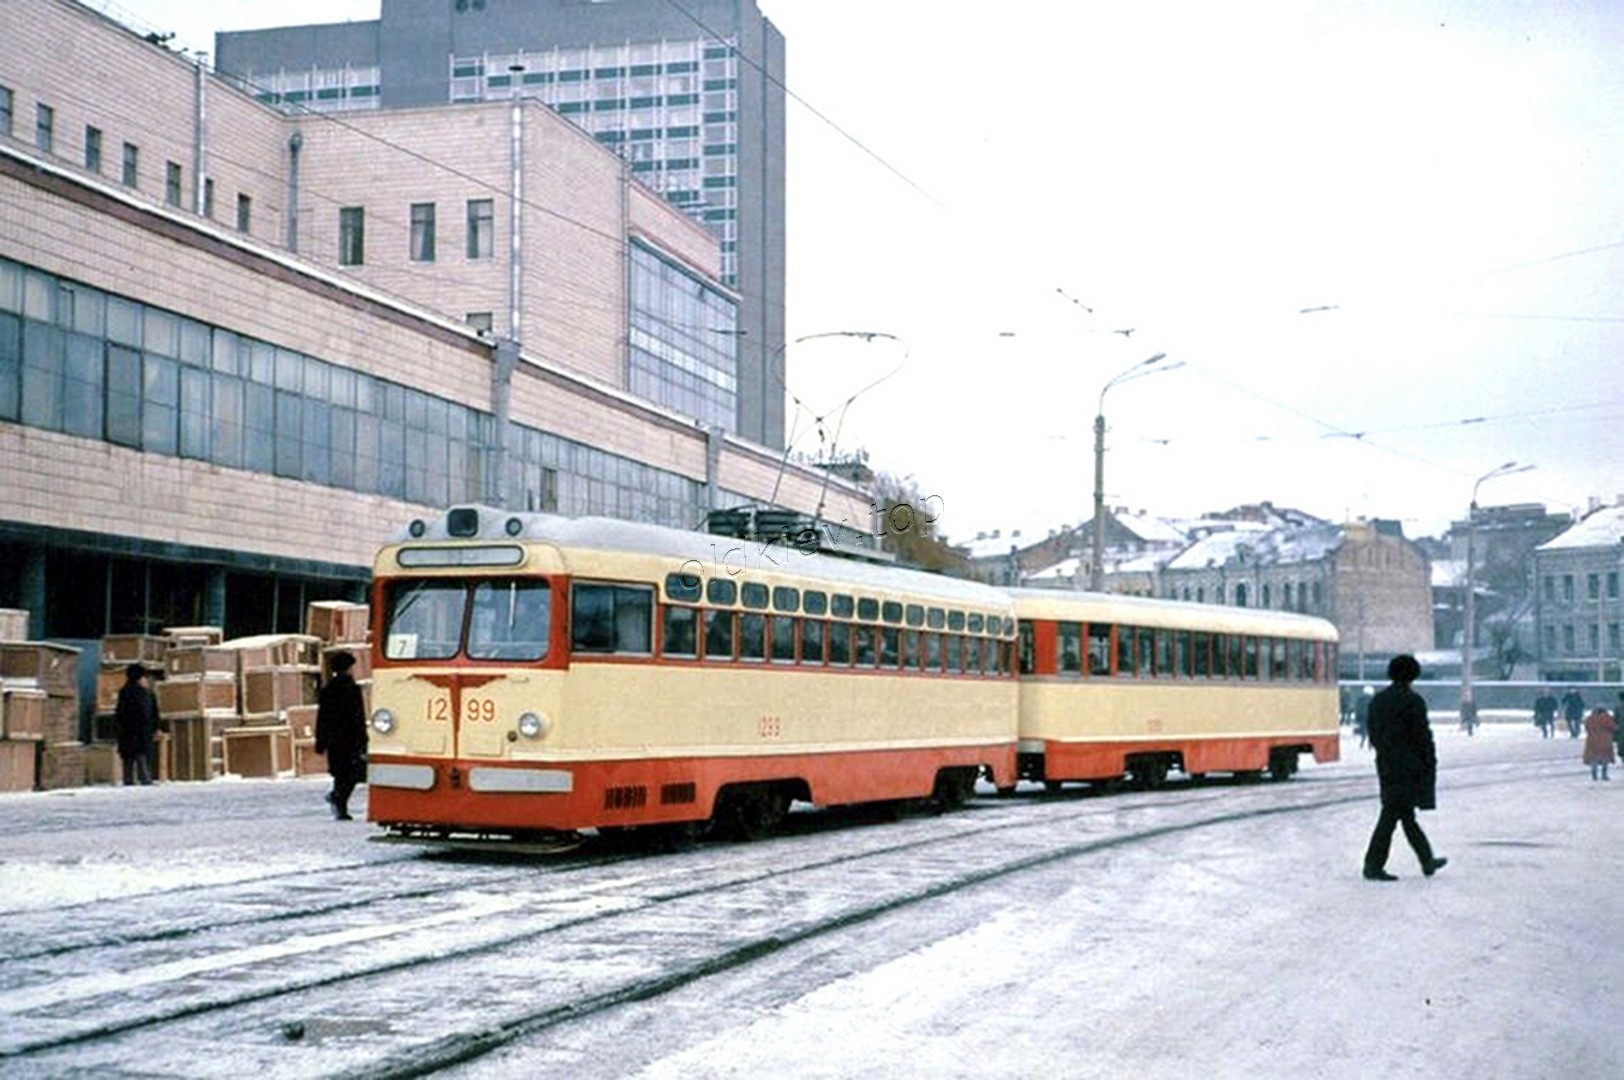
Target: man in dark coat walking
[135,718]
[1407,765]
[1573,711]
[341,733]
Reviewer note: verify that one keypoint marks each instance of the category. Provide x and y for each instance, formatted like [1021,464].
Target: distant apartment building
[238,348]
[690,97]
[1578,605]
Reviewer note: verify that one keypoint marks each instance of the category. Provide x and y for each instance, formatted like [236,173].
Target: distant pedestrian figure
[1407,765]
[1573,711]
[135,718]
[1361,714]
[1618,731]
[341,733]
[1600,729]
[1545,706]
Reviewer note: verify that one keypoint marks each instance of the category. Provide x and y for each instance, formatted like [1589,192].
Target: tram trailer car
[1118,685]
[533,673]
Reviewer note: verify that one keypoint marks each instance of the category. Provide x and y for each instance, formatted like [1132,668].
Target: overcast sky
[1004,194]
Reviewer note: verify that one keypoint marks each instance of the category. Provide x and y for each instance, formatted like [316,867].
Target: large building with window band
[690,95]
[217,398]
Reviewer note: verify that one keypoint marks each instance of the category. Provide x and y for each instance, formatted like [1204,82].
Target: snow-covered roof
[1604,528]
[1064,569]
[1269,547]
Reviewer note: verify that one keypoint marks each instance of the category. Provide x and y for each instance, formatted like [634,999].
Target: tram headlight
[383,721]
[532,726]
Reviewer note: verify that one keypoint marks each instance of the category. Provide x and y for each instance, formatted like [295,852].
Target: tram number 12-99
[770,727]
[474,710]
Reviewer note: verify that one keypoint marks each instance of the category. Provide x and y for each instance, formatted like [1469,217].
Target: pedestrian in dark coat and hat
[1407,765]
[341,732]
[135,718]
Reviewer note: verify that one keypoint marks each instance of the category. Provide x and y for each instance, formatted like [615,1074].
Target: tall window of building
[44,127]
[132,161]
[422,232]
[684,351]
[5,111]
[172,183]
[208,197]
[93,148]
[245,213]
[1593,586]
[351,236]
[481,228]
[1612,584]
[1567,587]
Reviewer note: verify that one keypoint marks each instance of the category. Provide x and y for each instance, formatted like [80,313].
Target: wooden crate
[61,719]
[198,695]
[186,660]
[62,765]
[13,624]
[134,649]
[193,635]
[102,764]
[257,751]
[52,668]
[302,719]
[195,747]
[109,681]
[306,762]
[275,650]
[337,622]
[271,690]
[19,765]
[166,756]
[22,713]
[103,728]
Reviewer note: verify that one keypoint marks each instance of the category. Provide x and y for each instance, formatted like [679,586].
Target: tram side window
[783,639]
[683,587]
[1127,654]
[1145,642]
[864,649]
[840,644]
[890,647]
[1164,653]
[681,632]
[1299,664]
[1099,648]
[1249,655]
[910,647]
[612,618]
[1181,650]
[811,639]
[933,652]
[719,634]
[990,649]
[1070,648]
[1220,663]
[1277,658]
[752,636]
[972,655]
[1237,662]
[1026,647]
[721,591]
[1201,644]
[510,620]
[955,654]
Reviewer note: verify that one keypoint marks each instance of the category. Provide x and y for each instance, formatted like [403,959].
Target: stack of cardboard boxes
[39,710]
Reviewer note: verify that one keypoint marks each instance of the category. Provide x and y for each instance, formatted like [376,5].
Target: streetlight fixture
[1468,705]
[1096,578]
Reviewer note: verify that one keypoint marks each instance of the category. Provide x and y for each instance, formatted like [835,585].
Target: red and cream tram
[535,673]
[1115,685]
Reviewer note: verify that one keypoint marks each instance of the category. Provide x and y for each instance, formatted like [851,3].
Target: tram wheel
[954,787]
[1282,766]
[1150,773]
[751,813]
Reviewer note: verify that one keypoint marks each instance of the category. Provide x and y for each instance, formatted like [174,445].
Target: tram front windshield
[481,619]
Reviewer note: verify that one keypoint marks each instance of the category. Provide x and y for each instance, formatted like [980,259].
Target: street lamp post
[1096,577]
[1468,705]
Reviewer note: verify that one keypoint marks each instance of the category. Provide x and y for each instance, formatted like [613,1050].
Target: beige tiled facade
[390,319]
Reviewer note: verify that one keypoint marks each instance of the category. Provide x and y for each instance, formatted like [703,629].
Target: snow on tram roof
[1150,611]
[717,555]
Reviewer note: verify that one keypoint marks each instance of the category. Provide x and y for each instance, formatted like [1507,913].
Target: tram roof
[1147,611]
[717,555]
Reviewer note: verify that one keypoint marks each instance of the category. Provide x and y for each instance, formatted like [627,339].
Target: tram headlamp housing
[383,721]
[417,528]
[532,726]
[514,526]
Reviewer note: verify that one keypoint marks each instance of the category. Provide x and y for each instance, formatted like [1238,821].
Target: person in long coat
[1600,727]
[135,718]
[1407,766]
[341,732]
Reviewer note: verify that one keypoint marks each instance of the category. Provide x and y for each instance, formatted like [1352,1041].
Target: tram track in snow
[260,987]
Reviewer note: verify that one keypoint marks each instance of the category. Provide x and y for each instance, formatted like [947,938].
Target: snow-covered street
[1200,930]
